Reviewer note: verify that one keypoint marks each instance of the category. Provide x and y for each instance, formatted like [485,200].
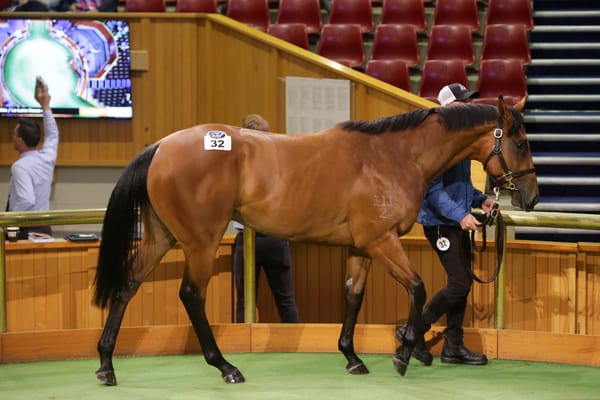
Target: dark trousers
[451,299]
[273,255]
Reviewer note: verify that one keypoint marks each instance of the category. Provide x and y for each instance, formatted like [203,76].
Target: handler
[446,218]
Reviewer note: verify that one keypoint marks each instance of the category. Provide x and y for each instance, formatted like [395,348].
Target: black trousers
[451,300]
[273,255]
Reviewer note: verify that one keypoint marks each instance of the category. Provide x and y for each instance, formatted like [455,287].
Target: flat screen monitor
[86,64]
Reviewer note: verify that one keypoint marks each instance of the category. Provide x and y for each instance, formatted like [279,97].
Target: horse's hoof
[234,376]
[107,377]
[400,364]
[357,369]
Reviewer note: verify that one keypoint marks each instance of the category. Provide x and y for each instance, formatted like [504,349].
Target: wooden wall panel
[51,288]
[541,289]
[589,291]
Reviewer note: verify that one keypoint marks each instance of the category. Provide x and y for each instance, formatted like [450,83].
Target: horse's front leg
[106,344]
[388,252]
[357,269]
[193,297]
[413,329]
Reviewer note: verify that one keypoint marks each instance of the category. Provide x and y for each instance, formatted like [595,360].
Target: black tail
[121,229]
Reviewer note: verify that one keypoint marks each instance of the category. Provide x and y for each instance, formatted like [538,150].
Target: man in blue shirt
[446,218]
[32,174]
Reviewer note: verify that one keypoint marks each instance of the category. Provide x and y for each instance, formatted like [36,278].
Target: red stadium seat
[505,41]
[396,42]
[307,12]
[501,78]
[510,12]
[254,13]
[451,42]
[394,72]
[342,43]
[438,73]
[411,12]
[145,6]
[200,6]
[352,12]
[294,33]
[457,12]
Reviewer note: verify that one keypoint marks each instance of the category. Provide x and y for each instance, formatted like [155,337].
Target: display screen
[86,64]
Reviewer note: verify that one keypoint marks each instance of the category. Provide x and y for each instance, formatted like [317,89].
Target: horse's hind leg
[193,296]
[106,344]
[147,258]
[357,269]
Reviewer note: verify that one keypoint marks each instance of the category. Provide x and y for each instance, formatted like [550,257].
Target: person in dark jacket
[446,218]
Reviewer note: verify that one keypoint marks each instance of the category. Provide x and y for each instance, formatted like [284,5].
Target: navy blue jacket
[450,197]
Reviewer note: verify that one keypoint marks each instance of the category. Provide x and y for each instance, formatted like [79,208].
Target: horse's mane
[455,118]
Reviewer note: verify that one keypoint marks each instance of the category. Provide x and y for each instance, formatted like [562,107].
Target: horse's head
[509,163]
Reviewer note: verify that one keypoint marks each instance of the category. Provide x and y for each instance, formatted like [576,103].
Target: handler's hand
[487,206]
[470,223]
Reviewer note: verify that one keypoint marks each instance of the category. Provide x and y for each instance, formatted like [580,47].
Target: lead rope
[495,218]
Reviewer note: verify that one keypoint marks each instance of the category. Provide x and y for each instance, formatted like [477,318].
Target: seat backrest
[307,12]
[505,41]
[294,33]
[395,72]
[254,13]
[510,12]
[145,6]
[501,77]
[451,42]
[200,6]
[352,12]
[457,12]
[396,42]
[342,43]
[410,12]
[438,73]
[4,4]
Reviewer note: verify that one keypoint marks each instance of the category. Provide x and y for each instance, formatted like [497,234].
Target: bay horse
[358,184]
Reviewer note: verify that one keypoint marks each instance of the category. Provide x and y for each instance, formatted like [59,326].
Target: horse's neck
[444,150]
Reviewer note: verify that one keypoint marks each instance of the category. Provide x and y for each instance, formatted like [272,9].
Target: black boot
[421,353]
[459,354]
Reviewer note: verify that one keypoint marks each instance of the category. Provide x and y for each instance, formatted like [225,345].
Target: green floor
[297,376]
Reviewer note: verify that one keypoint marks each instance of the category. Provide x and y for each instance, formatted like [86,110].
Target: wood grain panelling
[541,289]
[50,289]
[589,291]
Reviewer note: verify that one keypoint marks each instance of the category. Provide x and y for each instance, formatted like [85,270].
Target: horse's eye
[522,145]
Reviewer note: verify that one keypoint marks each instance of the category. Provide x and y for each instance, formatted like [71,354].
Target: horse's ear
[502,109]
[521,104]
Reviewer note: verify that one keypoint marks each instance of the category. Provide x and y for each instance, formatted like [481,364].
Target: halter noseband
[506,180]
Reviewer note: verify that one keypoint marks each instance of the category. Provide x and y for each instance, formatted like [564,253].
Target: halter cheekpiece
[506,180]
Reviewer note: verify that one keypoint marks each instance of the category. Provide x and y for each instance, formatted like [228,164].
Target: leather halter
[506,180]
